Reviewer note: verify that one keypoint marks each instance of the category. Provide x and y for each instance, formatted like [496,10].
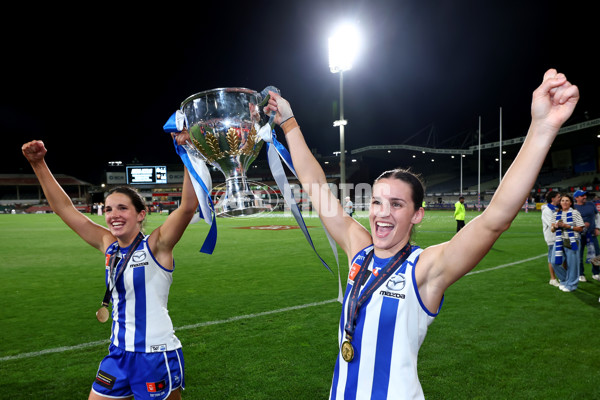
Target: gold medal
[347,351]
[102,314]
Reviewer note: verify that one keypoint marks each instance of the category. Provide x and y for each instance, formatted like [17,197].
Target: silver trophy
[223,126]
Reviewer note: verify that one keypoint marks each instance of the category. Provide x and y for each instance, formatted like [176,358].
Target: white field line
[508,265]
[224,321]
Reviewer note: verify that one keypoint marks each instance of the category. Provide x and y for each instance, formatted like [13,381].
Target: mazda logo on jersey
[139,256]
[396,283]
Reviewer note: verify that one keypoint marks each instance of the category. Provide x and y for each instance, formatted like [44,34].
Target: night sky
[97,86]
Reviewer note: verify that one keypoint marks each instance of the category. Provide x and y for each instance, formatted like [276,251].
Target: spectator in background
[588,213]
[348,206]
[548,218]
[568,226]
[459,213]
[592,198]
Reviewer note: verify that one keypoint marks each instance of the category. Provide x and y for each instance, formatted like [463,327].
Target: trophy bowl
[223,125]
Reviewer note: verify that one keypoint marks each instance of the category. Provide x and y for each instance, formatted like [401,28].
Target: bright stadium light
[343,48]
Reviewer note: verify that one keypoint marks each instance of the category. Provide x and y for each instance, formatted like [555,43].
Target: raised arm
[347,232]
[94,234]
[164,238]
[553,103]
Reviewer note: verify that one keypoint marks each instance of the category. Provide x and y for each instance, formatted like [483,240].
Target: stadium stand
[573,163]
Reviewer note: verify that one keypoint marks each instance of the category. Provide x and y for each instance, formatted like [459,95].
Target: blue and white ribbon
[201,180]
[176,122]
[275,153]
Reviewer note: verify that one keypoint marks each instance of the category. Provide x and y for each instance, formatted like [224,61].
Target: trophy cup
[227,129]
[223,126]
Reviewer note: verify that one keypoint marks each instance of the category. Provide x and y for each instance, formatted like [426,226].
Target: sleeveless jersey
[390,328]
[141,321]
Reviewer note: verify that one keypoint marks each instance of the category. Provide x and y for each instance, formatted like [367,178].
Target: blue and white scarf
[558,246]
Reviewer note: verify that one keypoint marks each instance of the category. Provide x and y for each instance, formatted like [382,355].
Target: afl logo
[396,283]
[139,256]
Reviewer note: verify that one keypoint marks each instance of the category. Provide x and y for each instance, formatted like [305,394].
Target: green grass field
[503,333]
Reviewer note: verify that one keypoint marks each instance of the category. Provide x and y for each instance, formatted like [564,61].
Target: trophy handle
[265,98]
[265,94]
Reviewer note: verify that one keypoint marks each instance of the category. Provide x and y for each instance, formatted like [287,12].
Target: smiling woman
[120,200]
[396,289]
[397,197]
[139,268]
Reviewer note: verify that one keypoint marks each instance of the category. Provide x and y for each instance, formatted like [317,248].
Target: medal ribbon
[134,245]
[355,301]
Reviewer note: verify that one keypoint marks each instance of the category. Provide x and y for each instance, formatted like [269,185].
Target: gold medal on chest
[347,351]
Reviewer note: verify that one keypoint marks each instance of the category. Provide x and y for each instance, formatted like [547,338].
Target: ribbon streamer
[176,122]
[200,176]
[275,153]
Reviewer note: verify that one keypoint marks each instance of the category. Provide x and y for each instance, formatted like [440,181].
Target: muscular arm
[164,238]
[347,232]
[440,266]
[94,234]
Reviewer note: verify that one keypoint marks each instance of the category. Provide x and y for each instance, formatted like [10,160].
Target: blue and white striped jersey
[141,320]
[390,328]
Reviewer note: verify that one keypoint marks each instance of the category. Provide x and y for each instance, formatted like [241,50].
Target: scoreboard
[145,175]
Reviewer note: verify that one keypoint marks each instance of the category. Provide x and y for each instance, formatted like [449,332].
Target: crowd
[570,226]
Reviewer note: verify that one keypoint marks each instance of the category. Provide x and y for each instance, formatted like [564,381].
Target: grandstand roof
[32,180]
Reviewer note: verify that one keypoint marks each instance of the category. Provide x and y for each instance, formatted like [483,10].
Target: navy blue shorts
[143,375]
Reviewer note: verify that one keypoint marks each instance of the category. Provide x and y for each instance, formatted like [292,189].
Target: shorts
[143,375]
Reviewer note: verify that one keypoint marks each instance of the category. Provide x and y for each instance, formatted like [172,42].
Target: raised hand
[34,151]
[280,106]
[554,100]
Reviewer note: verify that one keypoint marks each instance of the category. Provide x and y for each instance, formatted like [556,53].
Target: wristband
[289,124]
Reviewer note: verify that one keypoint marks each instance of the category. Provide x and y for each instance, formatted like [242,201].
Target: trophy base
[241,212]
[237,200]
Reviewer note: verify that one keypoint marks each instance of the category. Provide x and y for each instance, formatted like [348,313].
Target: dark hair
[569,196]
[412,179]
[550,195]
[136,199]
[134,195]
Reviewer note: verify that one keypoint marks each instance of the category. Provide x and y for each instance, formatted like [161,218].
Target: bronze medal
[347,351]
[102,314]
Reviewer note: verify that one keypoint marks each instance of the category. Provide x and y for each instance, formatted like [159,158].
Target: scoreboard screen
[146,175]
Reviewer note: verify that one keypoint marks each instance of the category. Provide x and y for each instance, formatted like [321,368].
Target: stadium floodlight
[343,46]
